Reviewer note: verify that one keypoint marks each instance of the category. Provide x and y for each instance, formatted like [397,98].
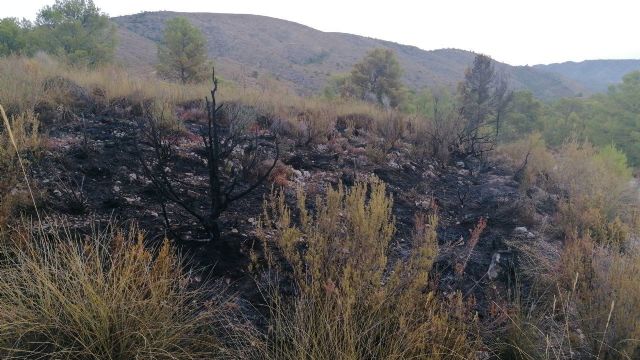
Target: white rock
[131,200]
[494,269]
[522,231]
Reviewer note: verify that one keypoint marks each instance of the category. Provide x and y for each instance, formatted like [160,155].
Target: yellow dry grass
[18,136]
[108,296]
[585,302]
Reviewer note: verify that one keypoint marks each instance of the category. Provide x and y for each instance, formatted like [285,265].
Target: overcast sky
[518,32]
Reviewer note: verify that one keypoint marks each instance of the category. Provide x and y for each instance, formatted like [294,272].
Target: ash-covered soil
[91,172]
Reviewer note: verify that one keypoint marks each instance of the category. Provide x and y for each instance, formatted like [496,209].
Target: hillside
[139,221]
[595,75]
[246,46]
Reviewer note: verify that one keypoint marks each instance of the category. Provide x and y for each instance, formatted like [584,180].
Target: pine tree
[377,76]
[484,96]
[182,54]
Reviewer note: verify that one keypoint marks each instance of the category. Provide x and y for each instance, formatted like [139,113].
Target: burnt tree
[484,97]
[231,152]
[502,97]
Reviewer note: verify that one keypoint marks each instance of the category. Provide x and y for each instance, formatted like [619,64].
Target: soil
[91,173]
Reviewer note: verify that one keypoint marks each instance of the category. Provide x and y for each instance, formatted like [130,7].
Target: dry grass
[600,199]
[437,136]
[20,141]
[107,296]
[530,157]
[537,329]
[607,306]
[584,303]
[23,84]
[310,119]
[350,301]
[597,196]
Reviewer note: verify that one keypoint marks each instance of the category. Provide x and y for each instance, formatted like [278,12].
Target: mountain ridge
[246,46]
[596,75]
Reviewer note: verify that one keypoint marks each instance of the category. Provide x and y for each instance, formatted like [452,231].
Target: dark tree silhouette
[484,96]
[230,151]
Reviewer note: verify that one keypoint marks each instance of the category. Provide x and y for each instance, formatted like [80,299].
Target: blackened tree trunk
[225,182]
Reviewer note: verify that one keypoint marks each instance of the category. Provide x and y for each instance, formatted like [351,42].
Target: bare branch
[220,142]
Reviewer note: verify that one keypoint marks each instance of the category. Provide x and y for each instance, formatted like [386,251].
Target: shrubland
[585,294]
[110,295]
[597,195]
[333,282]
[47,85]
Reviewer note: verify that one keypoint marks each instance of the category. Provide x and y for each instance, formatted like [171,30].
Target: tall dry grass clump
[349,300]
[581,302]
[586,305]
[607,303]
[21,82]
[114,83]
[107,296]
[585,298]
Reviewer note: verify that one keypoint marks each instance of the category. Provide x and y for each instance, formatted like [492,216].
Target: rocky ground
[91,172]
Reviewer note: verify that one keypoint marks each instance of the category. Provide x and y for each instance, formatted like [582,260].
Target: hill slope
[245,46]
[595,75]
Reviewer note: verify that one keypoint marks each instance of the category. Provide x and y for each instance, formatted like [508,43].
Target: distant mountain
[595,75]
[245,46]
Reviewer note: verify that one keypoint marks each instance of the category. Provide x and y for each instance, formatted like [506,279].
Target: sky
[518,32]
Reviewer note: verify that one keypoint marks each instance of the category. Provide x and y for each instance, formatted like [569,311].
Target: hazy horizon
[517,34]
